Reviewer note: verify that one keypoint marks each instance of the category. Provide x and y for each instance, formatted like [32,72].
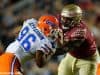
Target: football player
[32,42]
[79,44]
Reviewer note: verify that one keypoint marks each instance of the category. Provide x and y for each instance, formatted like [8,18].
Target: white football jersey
[28,41]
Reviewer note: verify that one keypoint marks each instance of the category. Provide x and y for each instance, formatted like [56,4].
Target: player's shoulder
[31,21]
[80,28]
[83,25]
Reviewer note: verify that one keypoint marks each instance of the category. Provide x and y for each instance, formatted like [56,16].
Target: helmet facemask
[66,22]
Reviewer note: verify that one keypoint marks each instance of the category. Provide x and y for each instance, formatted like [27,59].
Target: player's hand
[57,35]
[60,36]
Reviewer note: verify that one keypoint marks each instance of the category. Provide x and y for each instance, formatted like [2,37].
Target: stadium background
[14,12]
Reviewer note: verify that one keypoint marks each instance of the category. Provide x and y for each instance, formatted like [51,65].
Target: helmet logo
[50,23]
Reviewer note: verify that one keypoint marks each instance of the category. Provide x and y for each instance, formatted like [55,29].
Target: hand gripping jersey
[28,41]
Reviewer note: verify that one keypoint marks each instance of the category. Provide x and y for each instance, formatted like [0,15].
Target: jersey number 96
[26,39]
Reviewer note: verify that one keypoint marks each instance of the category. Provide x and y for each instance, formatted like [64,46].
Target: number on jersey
[26,41]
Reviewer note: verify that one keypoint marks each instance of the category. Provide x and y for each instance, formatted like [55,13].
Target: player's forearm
[67,46]
[60,51]
[40,59]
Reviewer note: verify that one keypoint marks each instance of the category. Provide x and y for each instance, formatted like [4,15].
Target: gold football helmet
[70,15]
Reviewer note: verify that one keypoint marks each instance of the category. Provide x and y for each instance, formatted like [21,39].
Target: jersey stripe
[12,66]
[45,49]
[50,50]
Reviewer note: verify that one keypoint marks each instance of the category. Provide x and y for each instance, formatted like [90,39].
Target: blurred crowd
[14,12]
